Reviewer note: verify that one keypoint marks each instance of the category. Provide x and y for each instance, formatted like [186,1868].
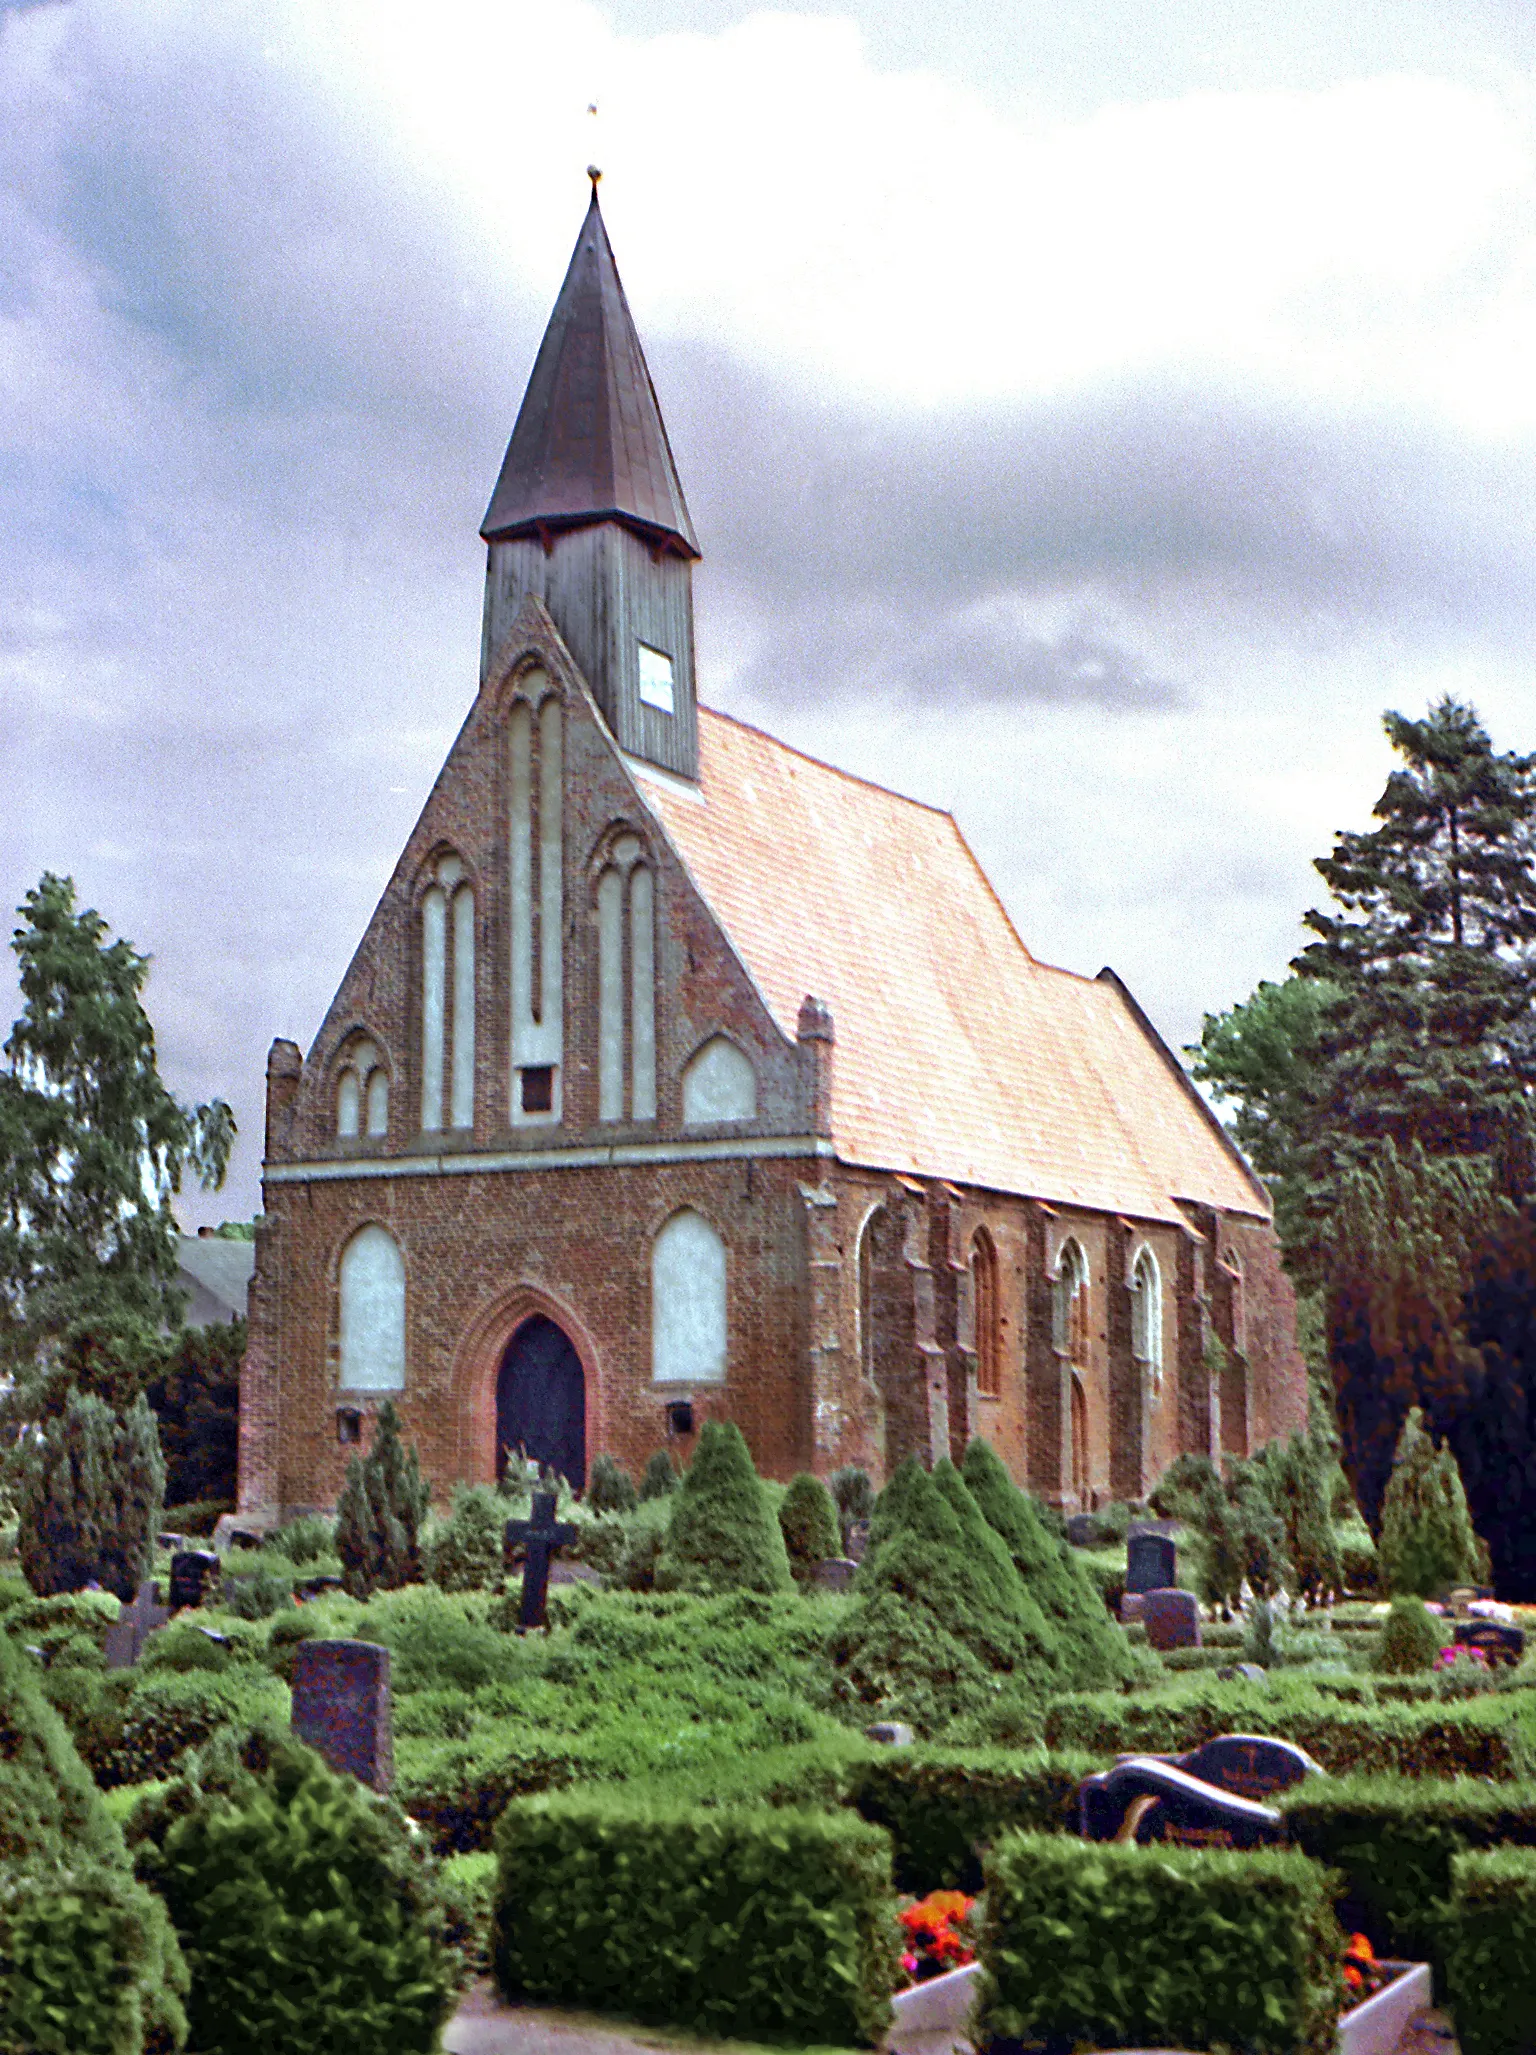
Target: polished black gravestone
[341,1706]
[1146,1799]
[1171,1618]
[1252,1765]
[538,1538]
[1151,1562]
[133,1627]
[194,1572]
[1499,1641]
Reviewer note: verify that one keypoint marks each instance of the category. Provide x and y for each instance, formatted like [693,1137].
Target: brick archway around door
[478,1361]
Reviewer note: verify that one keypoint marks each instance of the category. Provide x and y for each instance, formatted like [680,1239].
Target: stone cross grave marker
[1146,1799]
[1151,1562]
[193,1572]
[539,1538]
[1171,1618]
[134,1625]
[341,1706]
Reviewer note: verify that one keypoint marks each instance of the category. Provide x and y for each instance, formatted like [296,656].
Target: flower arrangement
[933,1935]
[1364,1976]
[1459,1656]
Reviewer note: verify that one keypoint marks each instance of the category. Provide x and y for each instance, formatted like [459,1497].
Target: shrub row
[1479,1739]
[944,1807]
[725,1922]
[1157,1947]
[1492,1967]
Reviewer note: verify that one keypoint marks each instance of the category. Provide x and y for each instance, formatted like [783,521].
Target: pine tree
[90,1488]
[380,1514]
[1298,1475]
[1427,1540]
[660,1479]
[722,1537]
[1490,1422]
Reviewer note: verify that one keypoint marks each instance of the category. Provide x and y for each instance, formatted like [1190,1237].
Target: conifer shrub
[944,1807]
[1426,1544]
[660,1478]
[1492,1950]
[90,1964]
[809,1524]
[381,1512]
[853,1491]
[1410,1639]
[1299,1478]
[610,1488]
[722,1536]
[756,1923]
[90,1488]
[466,1552]
[308,1539]
[308,1916]
[1158,1947]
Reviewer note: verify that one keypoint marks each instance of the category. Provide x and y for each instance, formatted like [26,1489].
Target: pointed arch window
[1069,1305]
[866,1281]
[1233,1264]
[688,1304]
[626,926]
[1147,1317]
[362,1092]
[719,1085]
[986,1303]
[447,999]
[372,1320]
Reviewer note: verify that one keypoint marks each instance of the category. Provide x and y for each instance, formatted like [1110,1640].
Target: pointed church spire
[590,444]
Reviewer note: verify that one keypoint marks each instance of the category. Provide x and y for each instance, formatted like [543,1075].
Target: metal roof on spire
[590,444]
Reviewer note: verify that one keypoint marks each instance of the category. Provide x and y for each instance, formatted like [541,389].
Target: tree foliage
[195,1397]
[1427,1541]
[808,1521]
[90,1488]
[381,1512]
[92,1150]
[1489,1421]
[722,1536]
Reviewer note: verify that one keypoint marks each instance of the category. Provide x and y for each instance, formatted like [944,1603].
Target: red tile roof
[958,1054]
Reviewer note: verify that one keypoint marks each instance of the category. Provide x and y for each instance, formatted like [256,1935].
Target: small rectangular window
[538,1083]
[656,679]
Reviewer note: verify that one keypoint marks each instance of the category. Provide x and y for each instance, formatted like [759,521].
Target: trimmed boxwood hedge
[943,1807]
[1482,1738]
[1158,1947]
[768,1925]
[1396,1838]
[1492,1965]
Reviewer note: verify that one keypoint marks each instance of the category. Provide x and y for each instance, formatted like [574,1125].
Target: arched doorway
[1080,1484]
[541,1401]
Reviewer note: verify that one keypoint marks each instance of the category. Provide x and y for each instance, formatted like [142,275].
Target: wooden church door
[541,1401]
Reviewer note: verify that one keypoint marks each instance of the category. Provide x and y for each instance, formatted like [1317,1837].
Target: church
[679,1076]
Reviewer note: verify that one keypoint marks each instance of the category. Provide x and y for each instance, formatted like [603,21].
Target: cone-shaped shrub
[467,1552]
[379,1518]
[610,1488]
[722,1536]
[1090,1649]
[1427,1543]
[809,1524]
[92,1490]
[1410,1639]
[660,1476]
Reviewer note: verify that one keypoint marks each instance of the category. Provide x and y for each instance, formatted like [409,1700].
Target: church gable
[540,970]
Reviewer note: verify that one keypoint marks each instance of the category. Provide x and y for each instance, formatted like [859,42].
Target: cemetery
[768,1764]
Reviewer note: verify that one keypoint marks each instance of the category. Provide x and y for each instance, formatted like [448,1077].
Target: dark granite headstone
[1082,1530]
[1145,1799]
[1151,1562]
[539,1538]
[1171,1618]
[341,1707]
[1252,1765]
[133,1627]
[194,1571]
[1499,1641]
[316,1586]
[836,1573]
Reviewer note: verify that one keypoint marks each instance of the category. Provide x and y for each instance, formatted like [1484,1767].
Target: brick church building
[681,1076]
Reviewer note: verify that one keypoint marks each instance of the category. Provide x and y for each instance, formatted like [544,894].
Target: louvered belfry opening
[589,515]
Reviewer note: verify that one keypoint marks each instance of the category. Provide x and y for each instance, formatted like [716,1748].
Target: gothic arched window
[1147,1317]
[372,1312]
[1069,1304]
[447,999]
[719,1084]
[362,1091]
[688,1313]
[986,1303]
[626,917]
[866,1279]
[1234,1269]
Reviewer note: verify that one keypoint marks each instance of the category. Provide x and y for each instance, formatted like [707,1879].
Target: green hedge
[1492,1966]
[942,1807]
[1395,1839]
[1479,1739]
[1158,1947]
[748,1923]
[90,1964]
[134,1726]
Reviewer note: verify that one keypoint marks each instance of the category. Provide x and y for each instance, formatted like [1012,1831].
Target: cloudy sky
[1092,418]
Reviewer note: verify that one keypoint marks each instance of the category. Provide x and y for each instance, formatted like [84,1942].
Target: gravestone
[836,1573]
[133,1626]
[1145,1799]
[1500,1643]
[1242,1673]
[1252,1765]
[1082,1530]
[856,1540]
[1151,1562]
[341,1707]
[1171,1618]
[890,1733]
[539,1537]
[194,1571]
[316,1586]
[1131,1604]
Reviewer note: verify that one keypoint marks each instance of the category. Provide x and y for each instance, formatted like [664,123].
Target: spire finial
[594,174]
